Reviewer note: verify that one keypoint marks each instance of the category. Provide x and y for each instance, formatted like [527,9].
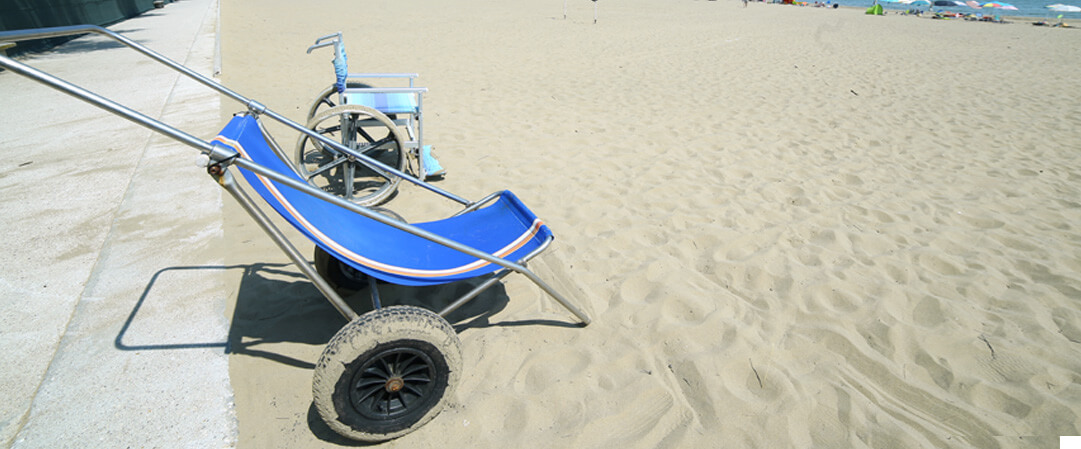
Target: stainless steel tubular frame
[496,277]
[411,76]
[252,105]
[515,267]
[478,204]
[225,157]
[97,100]
[388,90]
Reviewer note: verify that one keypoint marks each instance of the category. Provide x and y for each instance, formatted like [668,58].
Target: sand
[793,227]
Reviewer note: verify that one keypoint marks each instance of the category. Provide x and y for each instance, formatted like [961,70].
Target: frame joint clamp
[217,159]
[256,108]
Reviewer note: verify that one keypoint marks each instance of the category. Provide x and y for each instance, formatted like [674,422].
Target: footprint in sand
[928,312]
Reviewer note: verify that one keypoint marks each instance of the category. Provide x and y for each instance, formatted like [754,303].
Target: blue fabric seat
[506,228]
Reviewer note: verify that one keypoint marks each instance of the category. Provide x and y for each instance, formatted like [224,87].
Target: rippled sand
[794,227]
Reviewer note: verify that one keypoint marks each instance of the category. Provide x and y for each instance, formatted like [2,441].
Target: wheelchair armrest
[387,90]
[383,75]
[410,76]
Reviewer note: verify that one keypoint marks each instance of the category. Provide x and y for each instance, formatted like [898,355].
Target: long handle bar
[142,119]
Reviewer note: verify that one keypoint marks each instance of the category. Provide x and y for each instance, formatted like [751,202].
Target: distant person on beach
[744,3]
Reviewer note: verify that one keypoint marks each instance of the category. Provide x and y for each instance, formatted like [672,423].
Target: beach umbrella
[973,4]
[919,3]
[1064,8]
[1000,6]
[948,3]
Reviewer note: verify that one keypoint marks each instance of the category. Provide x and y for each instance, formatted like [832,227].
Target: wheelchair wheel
[360,128]
[387,373]
[328,98]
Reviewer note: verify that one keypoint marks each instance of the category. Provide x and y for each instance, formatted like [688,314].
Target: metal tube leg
[228,182]
[498,276]
[558,297]
[374,289]
[473,293]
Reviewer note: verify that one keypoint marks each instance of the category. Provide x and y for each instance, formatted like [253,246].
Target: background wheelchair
[384,123]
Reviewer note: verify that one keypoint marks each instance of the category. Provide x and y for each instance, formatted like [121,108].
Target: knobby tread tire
[379,328]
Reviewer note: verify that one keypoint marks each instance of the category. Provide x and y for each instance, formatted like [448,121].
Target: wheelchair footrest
[432,169]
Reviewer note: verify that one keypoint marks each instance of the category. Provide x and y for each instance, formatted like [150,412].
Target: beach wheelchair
[384,123]
[391,370]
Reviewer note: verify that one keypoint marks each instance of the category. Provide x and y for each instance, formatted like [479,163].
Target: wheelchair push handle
[341,64]
[331,39]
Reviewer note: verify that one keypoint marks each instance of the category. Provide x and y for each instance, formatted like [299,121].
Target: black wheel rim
[394,383]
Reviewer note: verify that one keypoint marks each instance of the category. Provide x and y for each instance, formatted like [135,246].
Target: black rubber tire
[359,387]
[337,273]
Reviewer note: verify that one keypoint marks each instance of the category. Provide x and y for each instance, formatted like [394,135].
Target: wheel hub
[394,385]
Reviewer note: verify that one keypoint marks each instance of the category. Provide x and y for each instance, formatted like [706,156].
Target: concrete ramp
[112,317]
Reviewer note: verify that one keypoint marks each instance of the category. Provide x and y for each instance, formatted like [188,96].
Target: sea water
[1025,8]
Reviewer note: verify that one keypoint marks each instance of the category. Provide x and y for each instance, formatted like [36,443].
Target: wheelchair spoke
[375,145]
[323,168]
[329,130]
[364,134]
[349,175]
